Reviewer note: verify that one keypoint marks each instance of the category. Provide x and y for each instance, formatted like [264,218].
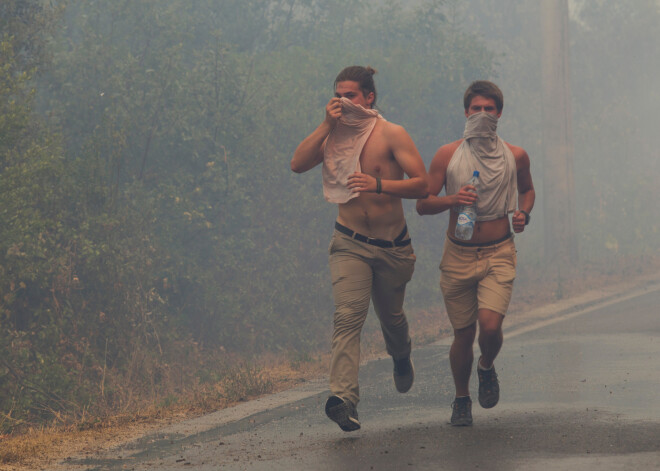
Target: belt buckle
[370,240]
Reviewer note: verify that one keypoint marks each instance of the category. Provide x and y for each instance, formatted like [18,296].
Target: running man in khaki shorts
[477,275]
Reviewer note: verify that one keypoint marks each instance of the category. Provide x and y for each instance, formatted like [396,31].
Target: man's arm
[407,156]
[526,193]
[435,204]
[309,152]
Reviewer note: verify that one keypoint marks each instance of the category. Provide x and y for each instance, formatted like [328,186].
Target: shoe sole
[340,413]
[488,401]
[405,388]
[461,423]
[487,405]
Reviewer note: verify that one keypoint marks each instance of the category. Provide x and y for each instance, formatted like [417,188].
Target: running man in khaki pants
[371,256]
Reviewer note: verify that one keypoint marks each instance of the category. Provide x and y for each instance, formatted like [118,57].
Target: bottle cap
[476,173]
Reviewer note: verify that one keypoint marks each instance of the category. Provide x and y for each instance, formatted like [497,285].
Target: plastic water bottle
[467,215]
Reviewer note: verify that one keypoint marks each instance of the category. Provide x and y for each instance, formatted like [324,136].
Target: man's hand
[466,196]
[518,221]
[309,152]
[333,112]
[361,182]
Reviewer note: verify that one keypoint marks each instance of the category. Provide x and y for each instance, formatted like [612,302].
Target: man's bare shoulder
[518,152]
[521,157]
[446,152]
[395,135]
[390,129]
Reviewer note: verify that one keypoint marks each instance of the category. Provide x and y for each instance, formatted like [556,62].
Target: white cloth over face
[343,148]
[483,150]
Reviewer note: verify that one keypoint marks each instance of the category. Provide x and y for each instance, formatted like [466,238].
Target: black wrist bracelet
[527,216]
[379,187]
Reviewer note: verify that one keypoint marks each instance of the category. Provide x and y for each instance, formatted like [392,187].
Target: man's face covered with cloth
[351,90]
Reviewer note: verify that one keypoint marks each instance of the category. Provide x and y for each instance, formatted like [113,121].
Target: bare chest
[377,158]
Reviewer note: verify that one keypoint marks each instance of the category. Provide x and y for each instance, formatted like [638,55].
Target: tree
[35,198]
[558,181]
[615,68]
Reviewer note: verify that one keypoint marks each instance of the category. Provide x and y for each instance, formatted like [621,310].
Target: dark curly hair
[364,76]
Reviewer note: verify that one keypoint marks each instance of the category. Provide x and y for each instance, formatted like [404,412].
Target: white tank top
[483,150]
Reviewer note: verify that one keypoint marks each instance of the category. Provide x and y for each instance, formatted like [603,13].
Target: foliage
[615,108]
[35,211]
[149,214]
[246,381]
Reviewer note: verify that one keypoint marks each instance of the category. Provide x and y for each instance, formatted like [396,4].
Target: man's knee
[347,320]
[392,319]
[490,322]
[465,334]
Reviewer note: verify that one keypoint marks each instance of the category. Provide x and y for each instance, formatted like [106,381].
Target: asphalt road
[579,391]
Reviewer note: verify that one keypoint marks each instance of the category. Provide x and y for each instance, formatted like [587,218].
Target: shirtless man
[371,255]
[477,275]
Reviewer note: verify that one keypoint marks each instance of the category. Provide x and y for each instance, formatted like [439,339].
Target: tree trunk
[558,184]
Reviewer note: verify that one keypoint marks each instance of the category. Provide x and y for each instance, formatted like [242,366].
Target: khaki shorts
[476,277]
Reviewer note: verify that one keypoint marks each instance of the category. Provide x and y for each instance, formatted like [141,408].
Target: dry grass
[37,448]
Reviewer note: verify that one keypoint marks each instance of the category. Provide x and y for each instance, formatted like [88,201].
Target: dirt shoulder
[534,301]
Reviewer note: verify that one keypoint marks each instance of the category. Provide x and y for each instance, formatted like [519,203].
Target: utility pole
[560,244]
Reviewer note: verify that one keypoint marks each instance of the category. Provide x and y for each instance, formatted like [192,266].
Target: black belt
[479,244]
[398,242]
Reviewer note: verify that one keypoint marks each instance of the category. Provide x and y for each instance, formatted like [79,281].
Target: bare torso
[376,215]
[484,231]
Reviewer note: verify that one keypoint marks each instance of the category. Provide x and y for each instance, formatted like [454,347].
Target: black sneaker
[404,374]
[489,388]
[461,414]
[343,412]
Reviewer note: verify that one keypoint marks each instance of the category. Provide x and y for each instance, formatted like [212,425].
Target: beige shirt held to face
[482,149]
[341,157]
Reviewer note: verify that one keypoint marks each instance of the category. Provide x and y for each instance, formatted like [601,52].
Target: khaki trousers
[361,272]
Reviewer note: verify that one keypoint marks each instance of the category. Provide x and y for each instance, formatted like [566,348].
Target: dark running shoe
[461,414]
[404,374]
[489,388]
[343,412]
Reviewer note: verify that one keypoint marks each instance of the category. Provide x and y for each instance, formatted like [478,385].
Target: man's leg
[393,268]
[351,287]
[490,342]
[393,322]
[458,283]
[461,358]
[494,295]
[490,336]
